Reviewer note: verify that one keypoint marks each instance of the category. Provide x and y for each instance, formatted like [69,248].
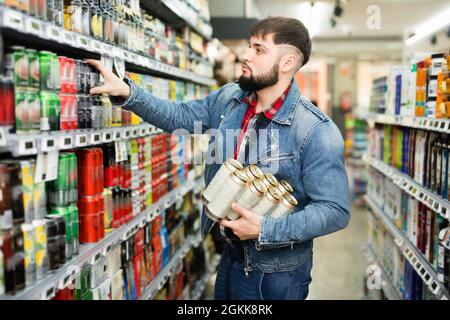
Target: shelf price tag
[97,46]
[3,139]
[117,135]
[47,143]
[47,293]
[33,26]
[26,147]
[68,37]
[107,137]
[81,140]
[13,19]
[46,166]
[66,142]
[82,42]
[95,138]
[53,33]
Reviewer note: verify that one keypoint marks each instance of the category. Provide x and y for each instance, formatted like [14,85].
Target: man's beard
[259,82]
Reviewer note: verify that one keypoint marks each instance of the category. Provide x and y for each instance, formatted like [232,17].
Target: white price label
[95,138]
[33,26]
[53,33]
[123,149]
[96,46]
[126,55]
[68,37]
[107,137]
[127,133]
[26,147]
[13,19]
[46,166]
[117,135]
[52,165]
[81,140]
[40,173]
[66,142]
[118,151]
[82,42]
[48,144]
[3,139]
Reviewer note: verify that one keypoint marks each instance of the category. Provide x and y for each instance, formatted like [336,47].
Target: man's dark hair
[286,31]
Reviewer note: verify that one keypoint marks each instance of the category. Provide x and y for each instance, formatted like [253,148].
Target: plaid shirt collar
[252,101]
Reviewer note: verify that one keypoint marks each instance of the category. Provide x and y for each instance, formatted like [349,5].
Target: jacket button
[221,117]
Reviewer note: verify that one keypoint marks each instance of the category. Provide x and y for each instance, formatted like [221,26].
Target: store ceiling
[351,34]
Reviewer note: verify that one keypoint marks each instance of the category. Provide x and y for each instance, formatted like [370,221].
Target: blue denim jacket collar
[286,113]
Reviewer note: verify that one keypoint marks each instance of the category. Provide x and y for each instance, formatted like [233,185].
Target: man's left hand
[247,226]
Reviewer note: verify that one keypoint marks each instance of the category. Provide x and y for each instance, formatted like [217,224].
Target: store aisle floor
[339,262]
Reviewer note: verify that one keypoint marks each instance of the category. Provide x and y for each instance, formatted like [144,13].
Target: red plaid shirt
[252,101]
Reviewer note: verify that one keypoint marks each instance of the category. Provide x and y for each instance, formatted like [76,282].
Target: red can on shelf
[88,205]
[90,226]
[88,172]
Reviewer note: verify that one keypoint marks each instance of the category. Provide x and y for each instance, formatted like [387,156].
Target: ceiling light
[429,27]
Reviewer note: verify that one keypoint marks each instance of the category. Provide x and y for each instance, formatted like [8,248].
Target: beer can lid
[234,164]
[240,177]
[285,186]
[258,187]
[254,172]
[273,194]
[289,200]
[270,180]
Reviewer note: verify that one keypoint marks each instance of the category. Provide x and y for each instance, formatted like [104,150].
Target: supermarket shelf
[179,14]
[31,144]
[201,284]
[415,190]
[410,252]
[388,287]
[43,33]
[47,287]
[356,162]
[164,275]
[438,125]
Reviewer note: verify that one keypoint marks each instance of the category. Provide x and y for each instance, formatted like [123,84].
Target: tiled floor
[339,263]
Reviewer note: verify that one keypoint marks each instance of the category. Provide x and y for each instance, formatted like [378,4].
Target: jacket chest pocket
[281,165]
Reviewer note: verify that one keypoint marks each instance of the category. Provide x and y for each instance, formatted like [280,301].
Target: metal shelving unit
[415,190]
[31,144]
[179,14]
[47,287]
[438,125]
[164,275]
[201,284]
[411,253]
[42,33]
[387,285]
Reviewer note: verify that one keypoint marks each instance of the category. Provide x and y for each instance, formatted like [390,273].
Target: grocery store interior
[96,204]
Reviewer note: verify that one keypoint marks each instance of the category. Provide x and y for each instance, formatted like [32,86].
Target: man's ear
[288,63]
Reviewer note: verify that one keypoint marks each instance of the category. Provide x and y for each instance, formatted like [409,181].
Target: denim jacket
[309,154]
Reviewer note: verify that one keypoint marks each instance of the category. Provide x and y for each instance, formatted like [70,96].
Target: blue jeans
[233,284]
